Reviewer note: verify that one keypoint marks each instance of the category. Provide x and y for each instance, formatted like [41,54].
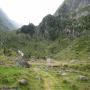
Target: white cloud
[25,11]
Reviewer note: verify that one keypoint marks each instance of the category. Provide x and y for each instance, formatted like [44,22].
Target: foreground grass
[43,77]
[10,76]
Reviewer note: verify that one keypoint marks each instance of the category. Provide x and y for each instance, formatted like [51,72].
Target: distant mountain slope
[5,22]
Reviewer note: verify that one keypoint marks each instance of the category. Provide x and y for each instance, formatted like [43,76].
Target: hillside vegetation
[73,35]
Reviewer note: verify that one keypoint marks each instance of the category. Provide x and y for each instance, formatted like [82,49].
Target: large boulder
[22,82]
[23,64]
[83,78]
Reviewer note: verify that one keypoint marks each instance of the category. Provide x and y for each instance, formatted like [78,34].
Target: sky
[29,11]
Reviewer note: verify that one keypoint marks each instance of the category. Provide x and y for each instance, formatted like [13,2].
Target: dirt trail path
[49,80]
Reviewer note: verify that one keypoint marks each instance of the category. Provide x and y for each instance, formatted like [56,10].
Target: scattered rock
[83,78]
[46,69]
[33,58]
[74,61]
[38,77]
[23,81]
[62,72]
[49,61]
[2,63]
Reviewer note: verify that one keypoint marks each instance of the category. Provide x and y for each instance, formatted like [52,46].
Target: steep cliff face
[70,6]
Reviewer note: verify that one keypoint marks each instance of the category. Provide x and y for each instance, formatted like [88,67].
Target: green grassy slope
[10,77]
[78,49]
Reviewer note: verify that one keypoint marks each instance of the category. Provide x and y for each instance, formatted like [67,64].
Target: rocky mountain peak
[71,5]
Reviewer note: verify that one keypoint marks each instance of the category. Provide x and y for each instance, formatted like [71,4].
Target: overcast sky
[25,11]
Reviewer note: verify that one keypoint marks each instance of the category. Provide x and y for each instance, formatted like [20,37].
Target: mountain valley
[55,55]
